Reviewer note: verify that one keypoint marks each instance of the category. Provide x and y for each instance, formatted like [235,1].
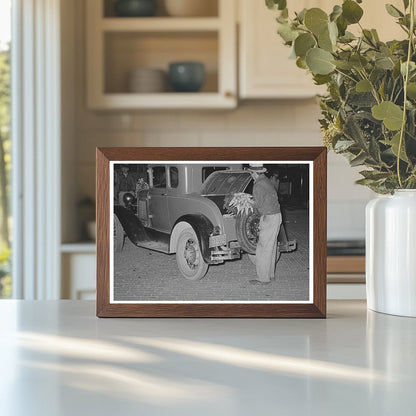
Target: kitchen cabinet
[265,69]
[118,45]
[78,263]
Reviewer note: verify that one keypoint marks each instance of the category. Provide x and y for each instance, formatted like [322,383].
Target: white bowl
[191,8]
[147,80]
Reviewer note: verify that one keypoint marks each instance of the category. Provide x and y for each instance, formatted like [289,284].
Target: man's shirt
[265,196]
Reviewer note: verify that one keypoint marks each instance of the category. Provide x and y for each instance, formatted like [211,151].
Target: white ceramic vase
[391,253]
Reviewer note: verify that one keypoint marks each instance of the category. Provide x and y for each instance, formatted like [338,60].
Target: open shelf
[210,7]
[127,51]
[116,46]
[160,24]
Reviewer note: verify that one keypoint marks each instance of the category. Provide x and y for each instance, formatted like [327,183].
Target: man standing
[267,203]
[124,181]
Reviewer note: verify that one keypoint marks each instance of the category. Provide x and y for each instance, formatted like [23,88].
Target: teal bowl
[135,8]
[186,76]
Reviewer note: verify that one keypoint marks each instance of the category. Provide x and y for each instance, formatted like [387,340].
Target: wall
[253,123]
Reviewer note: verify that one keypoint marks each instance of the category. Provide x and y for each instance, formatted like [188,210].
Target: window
[174,177]
[5,161]
[206,171]
[159,177]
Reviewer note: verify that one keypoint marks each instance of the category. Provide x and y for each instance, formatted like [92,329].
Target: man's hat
[257,167]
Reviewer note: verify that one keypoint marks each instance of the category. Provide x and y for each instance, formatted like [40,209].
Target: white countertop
[57,358]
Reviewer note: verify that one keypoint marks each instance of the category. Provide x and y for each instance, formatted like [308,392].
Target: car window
[174,177]
[159,177]
[223,183]
[207,170]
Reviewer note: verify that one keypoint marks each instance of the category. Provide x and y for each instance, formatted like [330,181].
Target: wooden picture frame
[109,161]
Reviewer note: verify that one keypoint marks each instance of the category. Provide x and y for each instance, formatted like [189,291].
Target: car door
[158,202]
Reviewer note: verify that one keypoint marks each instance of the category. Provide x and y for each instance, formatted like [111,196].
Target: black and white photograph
[211,232]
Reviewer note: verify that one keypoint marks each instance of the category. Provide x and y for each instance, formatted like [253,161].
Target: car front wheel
[189,257]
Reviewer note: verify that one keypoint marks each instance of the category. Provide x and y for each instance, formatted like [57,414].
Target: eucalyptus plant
[369,112]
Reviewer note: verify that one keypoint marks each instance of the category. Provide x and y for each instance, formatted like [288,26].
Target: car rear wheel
[118,235]
[189,257]
[247,229]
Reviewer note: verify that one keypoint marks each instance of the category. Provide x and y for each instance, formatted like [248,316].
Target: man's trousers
[267,245]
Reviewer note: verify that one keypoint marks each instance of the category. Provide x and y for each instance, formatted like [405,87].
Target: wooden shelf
[197,100]
[160,24]
[116,46]
[345,269]
[346,264]
[87,247]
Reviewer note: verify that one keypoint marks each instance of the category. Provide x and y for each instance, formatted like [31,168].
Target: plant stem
[405,81]
[373,88]
[346,75]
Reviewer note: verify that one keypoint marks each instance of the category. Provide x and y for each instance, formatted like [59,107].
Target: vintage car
[184,211]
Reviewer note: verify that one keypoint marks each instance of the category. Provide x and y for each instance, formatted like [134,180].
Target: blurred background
[147,73]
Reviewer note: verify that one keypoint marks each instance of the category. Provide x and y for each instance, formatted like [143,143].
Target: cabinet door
[266,71]
[265,68]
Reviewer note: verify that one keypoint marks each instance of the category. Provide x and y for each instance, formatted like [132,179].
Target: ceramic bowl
[147,80]
[191,8]
[135,8]
[186,76]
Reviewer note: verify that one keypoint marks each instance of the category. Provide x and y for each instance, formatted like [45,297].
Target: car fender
[191,204]
[132,226]
[203,228]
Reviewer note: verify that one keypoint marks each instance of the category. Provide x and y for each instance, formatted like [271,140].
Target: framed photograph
[211,232]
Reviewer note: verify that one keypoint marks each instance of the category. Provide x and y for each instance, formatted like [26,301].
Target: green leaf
[342,25]
[388,112]
[358,160]
[303,43]
[393,11]
[351,11]
[301,63]
[375,35]
[316,20]
[344,65]
[412,67]
[358,61]
[363,86]
[333,32]
[394,145]
[374,150]
[343,145]
[411,90]
[287,33]
[276,4]
[368,36]
[325,42]
[406,4]
[382,89]
[384,62]
[347,37]
[320,61]
[374,174]
[321,79]
[336,12]
[301,15]
[354,132]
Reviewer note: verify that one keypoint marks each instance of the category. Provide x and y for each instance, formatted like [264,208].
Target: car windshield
[226,182]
